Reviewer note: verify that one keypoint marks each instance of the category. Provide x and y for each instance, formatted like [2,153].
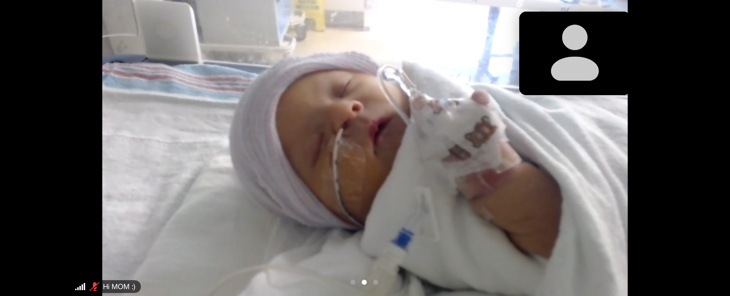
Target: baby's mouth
[376,129]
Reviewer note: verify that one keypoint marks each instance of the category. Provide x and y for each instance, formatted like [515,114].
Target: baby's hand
[524,201]
[521,199]
[481,132]
[482,183]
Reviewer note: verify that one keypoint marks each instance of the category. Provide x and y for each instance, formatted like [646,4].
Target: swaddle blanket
[582,143]
[459,250]
[462,251]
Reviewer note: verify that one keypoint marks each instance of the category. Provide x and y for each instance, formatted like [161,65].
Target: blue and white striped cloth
[207,81]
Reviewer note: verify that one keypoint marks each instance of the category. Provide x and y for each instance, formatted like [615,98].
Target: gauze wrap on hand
[465,134]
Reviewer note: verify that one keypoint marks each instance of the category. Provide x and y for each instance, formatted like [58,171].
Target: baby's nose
[343,112]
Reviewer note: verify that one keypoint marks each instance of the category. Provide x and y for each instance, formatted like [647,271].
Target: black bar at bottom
[120,286]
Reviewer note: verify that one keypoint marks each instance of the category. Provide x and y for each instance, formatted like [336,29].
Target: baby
[283,144]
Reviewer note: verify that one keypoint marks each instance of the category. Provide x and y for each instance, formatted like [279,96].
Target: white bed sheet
[153,147]
[174,216]
[216,231]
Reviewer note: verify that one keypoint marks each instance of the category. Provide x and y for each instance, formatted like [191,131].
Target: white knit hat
[256,151]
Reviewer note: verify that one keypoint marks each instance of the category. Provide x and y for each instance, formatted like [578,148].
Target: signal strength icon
[81,288]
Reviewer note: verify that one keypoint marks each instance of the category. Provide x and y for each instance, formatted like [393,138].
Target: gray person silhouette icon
[574,68]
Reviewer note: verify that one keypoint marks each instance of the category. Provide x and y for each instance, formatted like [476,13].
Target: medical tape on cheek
[347,174]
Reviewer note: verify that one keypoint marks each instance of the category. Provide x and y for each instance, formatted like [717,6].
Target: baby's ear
[480,97]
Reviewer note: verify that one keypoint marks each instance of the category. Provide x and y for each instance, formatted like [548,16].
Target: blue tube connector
[403,239]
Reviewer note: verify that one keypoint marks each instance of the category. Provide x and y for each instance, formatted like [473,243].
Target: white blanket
[154,145]
[583,143]
[329,263]
[175,217]
[216,231]
[470,253]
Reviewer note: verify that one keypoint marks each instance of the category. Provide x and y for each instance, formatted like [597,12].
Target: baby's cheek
[353,177]
[323,187]
[388,147]
[372,181]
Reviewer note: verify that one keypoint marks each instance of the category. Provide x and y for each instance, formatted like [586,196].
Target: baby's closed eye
[344,88]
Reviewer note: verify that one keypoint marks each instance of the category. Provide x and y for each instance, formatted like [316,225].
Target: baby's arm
[524,201]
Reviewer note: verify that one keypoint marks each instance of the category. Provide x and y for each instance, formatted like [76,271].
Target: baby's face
[310,114]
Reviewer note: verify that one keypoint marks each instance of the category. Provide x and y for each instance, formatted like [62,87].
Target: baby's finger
[475,185]
[480,97]
[479,207]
